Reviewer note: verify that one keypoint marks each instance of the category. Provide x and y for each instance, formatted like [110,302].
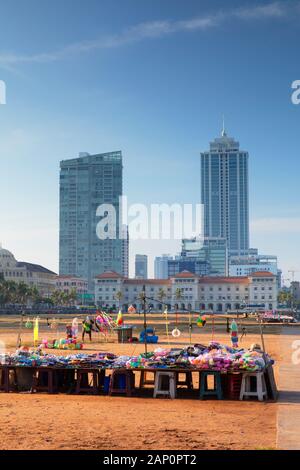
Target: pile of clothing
[215,356]
[36,358]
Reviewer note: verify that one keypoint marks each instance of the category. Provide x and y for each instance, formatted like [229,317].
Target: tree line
[20,293]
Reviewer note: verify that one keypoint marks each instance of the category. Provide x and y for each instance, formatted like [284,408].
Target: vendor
[69,332]
[87,326]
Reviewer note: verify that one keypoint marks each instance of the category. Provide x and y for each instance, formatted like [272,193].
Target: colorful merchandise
[201,321]
[120,320]
[215,357]
[234,334]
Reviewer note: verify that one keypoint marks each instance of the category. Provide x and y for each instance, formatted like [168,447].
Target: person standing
[87,328]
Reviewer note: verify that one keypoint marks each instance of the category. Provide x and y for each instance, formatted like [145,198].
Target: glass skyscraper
[141,266]
[213,251]
[86,183]
[225,193]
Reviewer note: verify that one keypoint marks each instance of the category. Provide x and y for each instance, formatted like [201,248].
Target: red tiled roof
[67,276]
[262,274]
[224,280]
[147,281]
[185,274]
[109,275]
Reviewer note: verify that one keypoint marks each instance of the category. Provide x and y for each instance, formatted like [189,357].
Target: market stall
[219,361]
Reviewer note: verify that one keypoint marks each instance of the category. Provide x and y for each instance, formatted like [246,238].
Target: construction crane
[292,272]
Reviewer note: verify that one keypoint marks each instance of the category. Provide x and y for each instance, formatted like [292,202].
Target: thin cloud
[276,225]
[271,10]
[157,29]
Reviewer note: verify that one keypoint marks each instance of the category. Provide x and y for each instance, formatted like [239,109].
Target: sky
[153,79]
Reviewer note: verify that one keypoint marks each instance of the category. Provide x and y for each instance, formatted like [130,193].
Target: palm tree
[72,296]
[7,292]
[161,295]
[119,296]
[65,298]
[3,290]
[56,297]
[23,293]
[178,294]
[35,295]
[142,298]
[285,297]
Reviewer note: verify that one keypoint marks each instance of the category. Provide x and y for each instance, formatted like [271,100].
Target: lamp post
[145,316]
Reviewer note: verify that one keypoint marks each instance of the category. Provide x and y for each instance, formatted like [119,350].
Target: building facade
[86,183]
[67,284]
[161,266]
[225,193]
[125,251]
[31,274]
[141,266]
[245,265]
[217,294]
[212,251]
[193,265]
[295,292]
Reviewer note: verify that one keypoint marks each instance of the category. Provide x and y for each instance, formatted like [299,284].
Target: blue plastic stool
[106,384]
[205,391]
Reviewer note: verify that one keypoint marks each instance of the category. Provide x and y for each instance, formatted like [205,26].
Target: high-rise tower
[225,193]
[86,183]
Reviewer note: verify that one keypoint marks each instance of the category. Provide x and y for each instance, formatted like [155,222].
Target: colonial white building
[32,274]
[67,284]
[188,291]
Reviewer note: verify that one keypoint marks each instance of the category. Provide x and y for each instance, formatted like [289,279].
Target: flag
[120,320]
[36,331]
[234,334]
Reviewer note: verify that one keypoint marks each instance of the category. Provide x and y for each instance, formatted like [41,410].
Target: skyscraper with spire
[225,193]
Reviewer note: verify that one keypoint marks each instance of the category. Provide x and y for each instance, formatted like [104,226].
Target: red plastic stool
[233,386]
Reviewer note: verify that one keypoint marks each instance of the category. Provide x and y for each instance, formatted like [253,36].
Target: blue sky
[151,78]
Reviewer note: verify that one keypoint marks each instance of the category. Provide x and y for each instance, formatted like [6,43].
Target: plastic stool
[143,379]
[4,380]
[187,382]
[82,381]
[39,384]
[232,385]
[205,391]
[260,391]
[116,387]
[159,388]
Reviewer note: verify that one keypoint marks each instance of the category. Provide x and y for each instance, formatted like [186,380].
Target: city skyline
[160,114]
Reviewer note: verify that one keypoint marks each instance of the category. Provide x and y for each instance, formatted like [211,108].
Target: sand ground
[42,421]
